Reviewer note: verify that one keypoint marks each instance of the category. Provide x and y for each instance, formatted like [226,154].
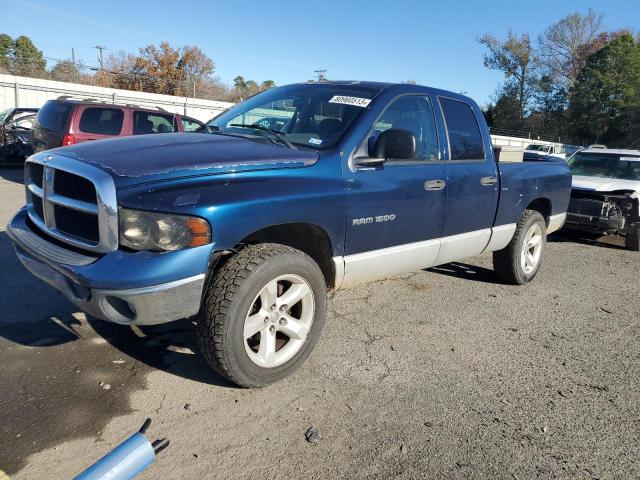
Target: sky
[433,43]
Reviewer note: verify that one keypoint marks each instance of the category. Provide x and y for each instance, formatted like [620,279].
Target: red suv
[64,122]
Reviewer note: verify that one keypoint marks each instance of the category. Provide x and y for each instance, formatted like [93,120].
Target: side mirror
[395,143]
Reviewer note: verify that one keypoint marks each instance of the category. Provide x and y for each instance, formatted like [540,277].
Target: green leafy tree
[6,47]
[25,59]
[239,82]
[504,112]
[550,103]
[66,71]
[605,101]
[267,84]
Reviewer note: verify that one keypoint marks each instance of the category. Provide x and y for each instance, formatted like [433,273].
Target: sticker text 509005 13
[355,101]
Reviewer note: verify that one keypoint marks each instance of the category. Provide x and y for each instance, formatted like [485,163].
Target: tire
[239,293]
[632,239]
[509,263]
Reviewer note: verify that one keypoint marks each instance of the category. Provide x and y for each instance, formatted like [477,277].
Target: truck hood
[599,184]
[148,158]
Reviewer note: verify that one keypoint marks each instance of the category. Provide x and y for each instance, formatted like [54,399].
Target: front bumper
[146,305]
[595,224]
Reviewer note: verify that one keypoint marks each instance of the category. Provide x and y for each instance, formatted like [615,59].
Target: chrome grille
[72,201]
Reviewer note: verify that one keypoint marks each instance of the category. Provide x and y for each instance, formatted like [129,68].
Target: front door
[395,210]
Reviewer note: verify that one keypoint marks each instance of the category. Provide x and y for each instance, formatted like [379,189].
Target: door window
[192,125]
[25,122]
[413,113]
[150,122]
[465,140]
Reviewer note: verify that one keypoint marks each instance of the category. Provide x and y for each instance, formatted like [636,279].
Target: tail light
[68,139]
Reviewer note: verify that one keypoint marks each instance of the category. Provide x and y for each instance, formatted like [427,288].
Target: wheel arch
[542,205]
[306,237]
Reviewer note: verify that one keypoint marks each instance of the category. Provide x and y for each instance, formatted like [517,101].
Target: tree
[65,71]
[549,107]
[239,82]
[194,66]
[6,46]
[123,72]
[158,69]
[605,100]
[25,59]
[516,58]
[504,113]
[566,45]
[243,88]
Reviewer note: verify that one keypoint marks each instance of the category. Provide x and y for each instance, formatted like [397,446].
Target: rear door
[96,122]
[395,210]
[472,183]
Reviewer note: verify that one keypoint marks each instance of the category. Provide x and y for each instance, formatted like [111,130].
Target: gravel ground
[445,373]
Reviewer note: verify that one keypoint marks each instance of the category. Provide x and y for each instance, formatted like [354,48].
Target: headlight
[161,231]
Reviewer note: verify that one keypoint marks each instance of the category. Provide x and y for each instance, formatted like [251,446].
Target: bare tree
[565,46]
[516,58]
[194,67]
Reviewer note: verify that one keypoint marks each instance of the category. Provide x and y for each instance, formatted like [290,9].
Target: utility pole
[100,49]
[73,61]
[321,74]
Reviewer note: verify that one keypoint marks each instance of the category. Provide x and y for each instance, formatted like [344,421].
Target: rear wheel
[262,314]
[632,239]
[519,262]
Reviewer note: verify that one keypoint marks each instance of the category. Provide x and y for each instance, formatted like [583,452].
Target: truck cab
[295,192]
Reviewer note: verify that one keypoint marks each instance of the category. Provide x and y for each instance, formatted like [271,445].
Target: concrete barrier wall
[33,92]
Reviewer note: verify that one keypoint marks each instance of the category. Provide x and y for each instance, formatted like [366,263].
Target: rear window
[149,122]
[102,121]
[465,140]
[53,114]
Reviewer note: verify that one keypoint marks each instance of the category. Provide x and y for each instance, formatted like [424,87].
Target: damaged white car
[605,193]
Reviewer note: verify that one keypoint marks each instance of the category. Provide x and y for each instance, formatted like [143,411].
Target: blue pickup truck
[247,227]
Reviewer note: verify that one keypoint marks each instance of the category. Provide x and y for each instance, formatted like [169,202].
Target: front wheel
[262,314]
[519,262]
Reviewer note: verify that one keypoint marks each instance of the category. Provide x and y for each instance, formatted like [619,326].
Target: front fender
[239,204]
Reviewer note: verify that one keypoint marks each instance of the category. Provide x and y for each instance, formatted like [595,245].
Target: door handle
[434,185]
[488,181]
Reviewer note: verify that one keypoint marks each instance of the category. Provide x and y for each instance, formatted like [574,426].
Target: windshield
[5,114]
[311,115]
[606,165]
[538,148]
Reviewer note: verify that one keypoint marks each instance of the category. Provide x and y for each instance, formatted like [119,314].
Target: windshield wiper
[277,134]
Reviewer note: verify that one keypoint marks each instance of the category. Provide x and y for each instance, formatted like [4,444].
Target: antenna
[320,73]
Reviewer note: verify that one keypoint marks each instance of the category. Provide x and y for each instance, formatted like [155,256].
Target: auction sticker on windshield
[355,101]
